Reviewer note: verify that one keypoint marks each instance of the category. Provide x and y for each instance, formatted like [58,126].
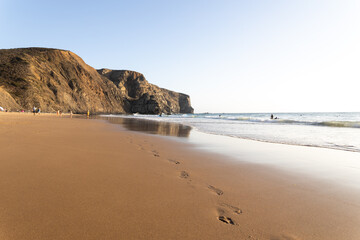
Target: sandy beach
[73,178]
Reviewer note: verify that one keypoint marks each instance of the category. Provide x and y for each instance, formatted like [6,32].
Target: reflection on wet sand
[153,127]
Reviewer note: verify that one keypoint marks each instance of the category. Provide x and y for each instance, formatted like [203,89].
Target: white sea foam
[329,130]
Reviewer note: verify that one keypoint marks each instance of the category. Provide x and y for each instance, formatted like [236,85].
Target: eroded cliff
[54,79]
[144,97]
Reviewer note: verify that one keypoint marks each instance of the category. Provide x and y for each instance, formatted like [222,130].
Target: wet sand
[63,178]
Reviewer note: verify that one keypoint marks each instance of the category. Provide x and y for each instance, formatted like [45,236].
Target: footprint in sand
[173,161]
[140,147]
[226,220]
[232,208]
[216,190]
[184,174]
[155,153]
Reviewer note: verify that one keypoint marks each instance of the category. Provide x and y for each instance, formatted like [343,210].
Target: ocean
[334,130]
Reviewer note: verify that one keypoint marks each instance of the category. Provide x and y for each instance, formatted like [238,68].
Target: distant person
[272,116]
[34,110]
[38,111]
[71,114]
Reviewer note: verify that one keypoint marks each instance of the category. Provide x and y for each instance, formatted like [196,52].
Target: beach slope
[63,178]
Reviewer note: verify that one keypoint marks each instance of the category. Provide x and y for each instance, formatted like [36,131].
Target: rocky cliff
[143,97]
[55,79]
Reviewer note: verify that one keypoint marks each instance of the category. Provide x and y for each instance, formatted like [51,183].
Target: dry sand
[63,178]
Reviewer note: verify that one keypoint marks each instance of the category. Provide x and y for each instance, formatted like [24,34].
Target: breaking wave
[339,124]
[327,130]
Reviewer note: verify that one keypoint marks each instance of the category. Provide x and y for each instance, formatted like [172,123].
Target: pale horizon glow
[229,56]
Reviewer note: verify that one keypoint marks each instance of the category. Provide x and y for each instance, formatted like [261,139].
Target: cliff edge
[143,97]
[54,79]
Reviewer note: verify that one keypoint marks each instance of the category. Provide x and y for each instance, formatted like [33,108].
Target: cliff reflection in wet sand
[153,127]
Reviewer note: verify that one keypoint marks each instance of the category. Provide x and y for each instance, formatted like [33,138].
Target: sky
[228,55]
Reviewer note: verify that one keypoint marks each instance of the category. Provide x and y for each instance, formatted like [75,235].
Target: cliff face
[144,97]
[55,79]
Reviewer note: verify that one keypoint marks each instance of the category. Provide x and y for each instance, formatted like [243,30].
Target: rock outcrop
[143,97]
[54,79]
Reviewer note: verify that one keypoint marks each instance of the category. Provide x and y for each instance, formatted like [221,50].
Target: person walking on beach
[34,110]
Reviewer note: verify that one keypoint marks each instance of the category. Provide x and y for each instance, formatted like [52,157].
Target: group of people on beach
[36,110]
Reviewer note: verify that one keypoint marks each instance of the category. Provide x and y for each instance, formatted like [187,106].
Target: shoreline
[317,163]
[78,178]
[336,131]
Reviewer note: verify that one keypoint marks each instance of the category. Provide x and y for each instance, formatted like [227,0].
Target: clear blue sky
[229,56]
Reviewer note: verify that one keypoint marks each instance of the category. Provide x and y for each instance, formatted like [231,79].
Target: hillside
[54,79]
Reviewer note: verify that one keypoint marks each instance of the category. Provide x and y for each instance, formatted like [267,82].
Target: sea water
[323,146]
[335,130]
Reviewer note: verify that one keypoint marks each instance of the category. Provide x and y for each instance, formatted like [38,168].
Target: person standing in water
[272,116]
